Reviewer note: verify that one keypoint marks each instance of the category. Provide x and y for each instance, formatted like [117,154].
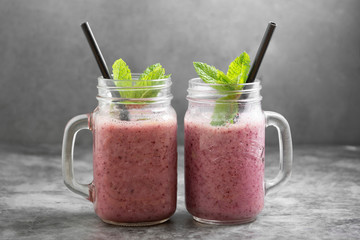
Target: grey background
[310,73]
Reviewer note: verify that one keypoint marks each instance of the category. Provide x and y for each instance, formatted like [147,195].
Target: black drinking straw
[95,50]
[261,52]
[259,57]
[124,115]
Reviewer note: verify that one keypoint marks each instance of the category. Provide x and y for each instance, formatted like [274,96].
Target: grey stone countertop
[321,201]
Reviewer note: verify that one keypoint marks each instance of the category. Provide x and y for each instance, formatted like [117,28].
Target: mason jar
[225,152]
[134,152]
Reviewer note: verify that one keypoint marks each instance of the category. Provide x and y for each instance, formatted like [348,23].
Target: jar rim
[111,83]
[202,92]
[199,82]
[134,76]
[128,92]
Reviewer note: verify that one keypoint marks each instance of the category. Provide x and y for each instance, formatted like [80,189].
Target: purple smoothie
[224,169]
[135,170]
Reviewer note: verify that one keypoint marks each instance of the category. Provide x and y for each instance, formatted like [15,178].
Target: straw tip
[272,23]
[84,24]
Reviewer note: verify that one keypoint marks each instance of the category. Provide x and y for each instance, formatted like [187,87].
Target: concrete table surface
[321,201]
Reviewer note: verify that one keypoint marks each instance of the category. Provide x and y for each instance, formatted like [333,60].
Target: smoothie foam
[135,172]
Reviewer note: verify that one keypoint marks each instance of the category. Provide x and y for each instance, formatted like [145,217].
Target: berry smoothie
[224,169]
[135,170]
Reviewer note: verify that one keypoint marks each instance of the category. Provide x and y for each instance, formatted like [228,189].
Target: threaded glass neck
[134,91]
[202,92]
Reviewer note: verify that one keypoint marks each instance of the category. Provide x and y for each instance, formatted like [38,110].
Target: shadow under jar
[134,152]
[225,152]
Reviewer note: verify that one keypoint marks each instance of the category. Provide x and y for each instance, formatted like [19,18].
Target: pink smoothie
[135,170]
[224,170]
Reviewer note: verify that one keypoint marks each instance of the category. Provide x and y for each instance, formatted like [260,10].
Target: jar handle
[75,124]
[285,150]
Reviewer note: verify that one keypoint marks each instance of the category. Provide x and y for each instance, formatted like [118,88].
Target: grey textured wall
[310,73]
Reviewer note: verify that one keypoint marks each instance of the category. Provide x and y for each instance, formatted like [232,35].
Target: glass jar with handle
[134,152]
[225,152]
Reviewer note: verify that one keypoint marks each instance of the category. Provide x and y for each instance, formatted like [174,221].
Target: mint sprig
[226,107]
[121,71]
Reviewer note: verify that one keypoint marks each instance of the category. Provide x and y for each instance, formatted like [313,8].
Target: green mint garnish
[210,74]
[225,112]
[122,72]
[155,71]
[239,69]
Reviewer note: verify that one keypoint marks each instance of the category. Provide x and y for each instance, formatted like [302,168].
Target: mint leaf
[239,69]
[121,71]
[225,110]
[155,71]
[211,75]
